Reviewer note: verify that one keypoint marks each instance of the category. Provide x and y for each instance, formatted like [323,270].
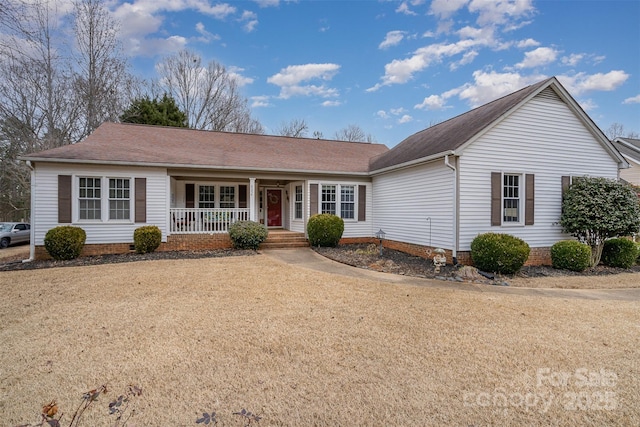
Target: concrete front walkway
[308,258]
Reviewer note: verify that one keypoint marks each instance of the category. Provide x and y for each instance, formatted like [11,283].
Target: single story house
[499,167]
[630,150]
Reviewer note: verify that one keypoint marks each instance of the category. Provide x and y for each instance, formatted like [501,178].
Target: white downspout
[454,246]
[32,228]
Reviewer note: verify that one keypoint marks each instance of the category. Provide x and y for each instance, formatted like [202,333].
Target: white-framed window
[298,202]
[512,193]
[119,198]
[328,199]
[227,197]
[207,196]
[89,198]
[339,199]
[347,201]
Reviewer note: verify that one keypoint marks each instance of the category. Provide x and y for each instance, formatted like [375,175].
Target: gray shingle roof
[118,143]
[453,133]
[630,147]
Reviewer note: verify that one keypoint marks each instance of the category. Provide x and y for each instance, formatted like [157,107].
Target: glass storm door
[274,208]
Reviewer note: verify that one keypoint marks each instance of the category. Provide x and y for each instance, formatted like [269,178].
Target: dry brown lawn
[305,348]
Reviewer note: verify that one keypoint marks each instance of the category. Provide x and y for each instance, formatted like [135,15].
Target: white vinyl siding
[45,211]
[543,138]
[415,205]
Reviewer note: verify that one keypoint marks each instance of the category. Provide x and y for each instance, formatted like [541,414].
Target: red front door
[274,208]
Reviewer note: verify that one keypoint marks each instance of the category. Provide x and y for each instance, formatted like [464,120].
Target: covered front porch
[209,205]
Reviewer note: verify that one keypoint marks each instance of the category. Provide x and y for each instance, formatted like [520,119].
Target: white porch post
[253,215]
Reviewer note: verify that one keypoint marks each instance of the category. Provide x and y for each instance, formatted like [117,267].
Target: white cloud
[488,86]
[331,103]
[392,39]
[205,36]
[405,119]
[401,71]
[155,46]
[289,79]
[497,12]
[382,114]
[432,102]
[573,59]
[268,3]
[234,73]
[250,20]
[538,57]
[466,59]
[446,8]
[260,101]
[588,104]
[397,111]
[404,8]
[523,44]
[632,100]
[580,83]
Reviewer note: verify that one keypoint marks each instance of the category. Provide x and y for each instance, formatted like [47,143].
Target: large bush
[597,209]
[247,234]
[499,253]
[146,239]
[65,242]
[619,253]
[325,230]
[570,255]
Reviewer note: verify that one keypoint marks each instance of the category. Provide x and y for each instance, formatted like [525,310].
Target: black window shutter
[242,196]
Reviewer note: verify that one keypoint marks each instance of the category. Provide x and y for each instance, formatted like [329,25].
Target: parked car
[14,232]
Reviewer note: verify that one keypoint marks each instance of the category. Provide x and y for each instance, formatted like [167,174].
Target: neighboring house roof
[130,144]
[454,134]
[628,147]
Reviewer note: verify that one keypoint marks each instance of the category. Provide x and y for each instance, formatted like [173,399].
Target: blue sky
[396,67]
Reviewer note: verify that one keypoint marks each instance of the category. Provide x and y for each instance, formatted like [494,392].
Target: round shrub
[619,252]
[325,230]
[499,253]
[65,242]
[247,234]
[570,255]
[146,239]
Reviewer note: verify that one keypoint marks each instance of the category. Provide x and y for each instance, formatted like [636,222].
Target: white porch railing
[199,221]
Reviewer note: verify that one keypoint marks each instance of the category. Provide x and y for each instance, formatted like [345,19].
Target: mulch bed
[360,255]
[392,261]
[9,264]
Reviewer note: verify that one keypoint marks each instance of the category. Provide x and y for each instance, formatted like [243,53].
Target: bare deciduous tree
[208,94]
[297,128]
[353,133]
[102,78]
[617,130]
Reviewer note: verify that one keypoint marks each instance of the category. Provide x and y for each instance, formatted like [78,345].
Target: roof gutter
[190,166]
[413,162]
[32,232]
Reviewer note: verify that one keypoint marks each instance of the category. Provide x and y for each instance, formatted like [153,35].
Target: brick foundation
[537,256]
[175,242]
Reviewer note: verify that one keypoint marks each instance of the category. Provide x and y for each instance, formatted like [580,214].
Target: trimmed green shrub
[570,255]
[619,252]
[325,230]
[247,234]
[65,242]
[499,253]
[146,239]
